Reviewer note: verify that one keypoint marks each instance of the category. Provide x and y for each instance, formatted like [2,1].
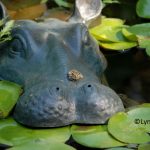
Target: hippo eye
[17,47]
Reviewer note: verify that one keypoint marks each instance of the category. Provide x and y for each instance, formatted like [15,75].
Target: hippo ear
[3,12]
[86,11]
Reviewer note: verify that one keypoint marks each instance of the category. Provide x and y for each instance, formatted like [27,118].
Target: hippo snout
[45,105]
[54,104]
[96,103]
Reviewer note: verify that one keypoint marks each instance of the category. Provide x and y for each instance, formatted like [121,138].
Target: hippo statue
[60,67]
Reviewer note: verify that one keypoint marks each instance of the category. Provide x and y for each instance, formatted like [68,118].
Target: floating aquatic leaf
[113,22]
[110,1]
[144,147]
[142,8]
[140,29]
[110,30]
[142,32]
[42,145]
[94,136]
[141,117]
[123,128]
[130,36]
[63,3]
[119,148]
[9,94]
[145,105]
[118,46]
[44,1]
[110,34]
[14,134]
[144,42]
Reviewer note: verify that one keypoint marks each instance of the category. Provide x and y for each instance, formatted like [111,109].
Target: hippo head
[60,67]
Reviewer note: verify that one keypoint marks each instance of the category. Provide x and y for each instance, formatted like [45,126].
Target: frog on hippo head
[59,65]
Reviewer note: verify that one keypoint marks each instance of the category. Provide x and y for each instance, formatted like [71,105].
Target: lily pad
[118,46]
[144,147]
[142,8]
[145,105]
[114,22]
[12,133]
[140,29]
[142,32]
[119,148]
[63,3]
[144,42]
[130,36]
[94,136]
[123,128]
[141,117]
[42,145]
[9,94]
[110,30]
[109,34]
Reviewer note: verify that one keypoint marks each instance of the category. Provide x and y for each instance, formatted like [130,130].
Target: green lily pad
[123,128]
[42,145]
[9,94]
[144,147]
[12,133]
[119,148]
[114,22]
[118,46]
[145,105]
[109,34]
[94,136]
[142,8]
[63,3]
[140,29]
[110,30]
[144,42]
[141,117]
[130,36]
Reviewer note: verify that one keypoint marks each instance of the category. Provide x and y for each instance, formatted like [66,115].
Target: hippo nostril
[57,89]
[89,85]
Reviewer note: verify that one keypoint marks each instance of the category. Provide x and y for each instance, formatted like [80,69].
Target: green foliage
[9,94]
[110,1]
[120,36]
[120,131]
[144,147]
[142,32]
[142,8]
[42,145]
[64,3]
[94,136]
[111,34]
[141,116]
[119,148]
[118,46]
[124,128]
[13,134]
[44,1]
[5,33]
